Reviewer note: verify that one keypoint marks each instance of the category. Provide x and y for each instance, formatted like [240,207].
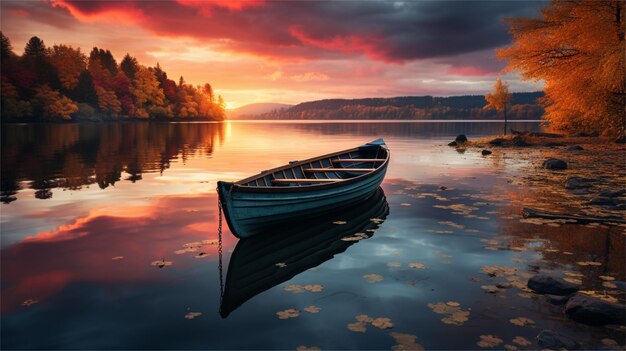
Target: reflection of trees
[71,155]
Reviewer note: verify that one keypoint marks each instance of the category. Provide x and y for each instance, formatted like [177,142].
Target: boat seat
[306,180]
[313,170]
[359,160]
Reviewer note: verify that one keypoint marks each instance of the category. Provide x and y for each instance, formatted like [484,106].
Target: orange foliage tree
[499,99]
[577,48]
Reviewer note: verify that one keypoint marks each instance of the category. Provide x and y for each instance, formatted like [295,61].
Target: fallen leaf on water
[606,277]
[382,323]
[162,263]
[355,237]
[599,295]
[405,342]
[492,289]
[453,313]
[313,287]
[358,327]
[589,263]
[308,348]
[522,341]
[417,265]
[192,315]
[489,341]
[373,278]
[498,271]
[29,302]
[117,258]
[364,318]
[394,264]
[312,309]
[522,321]
[288,313]
[294,288]
[340,222]
[573,274]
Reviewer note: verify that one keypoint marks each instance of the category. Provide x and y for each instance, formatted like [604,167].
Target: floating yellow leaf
[288,313]
[589,263]
[609,285]
[373,278]
[192,315]
[358,327]
[364,318]
[417,265]
[453,303]
[382,323]
[340,222]
[606,277]
[313,287]
[489,341]
[405,342]
[522,321]
[294,288]
[498,271]
[453,313]
[573,274]
[522,341]
[312,309]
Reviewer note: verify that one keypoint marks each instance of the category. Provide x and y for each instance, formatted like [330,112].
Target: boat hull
[250,213]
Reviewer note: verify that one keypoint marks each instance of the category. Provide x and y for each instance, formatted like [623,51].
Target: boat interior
[334,168]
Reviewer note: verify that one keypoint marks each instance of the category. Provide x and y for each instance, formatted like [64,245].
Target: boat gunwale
[238,186]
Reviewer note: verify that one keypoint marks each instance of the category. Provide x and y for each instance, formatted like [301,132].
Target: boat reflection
[266,260]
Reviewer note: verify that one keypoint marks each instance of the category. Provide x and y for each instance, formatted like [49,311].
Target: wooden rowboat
[303,188]
[266,260]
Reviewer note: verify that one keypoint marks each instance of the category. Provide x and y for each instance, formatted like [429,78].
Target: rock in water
[558,300]
[461,139]
[552,340]
[454,143]
[575,148]
[486,152]
[545,284]
[575,182]
[497,142]
[594,311]
[554,163]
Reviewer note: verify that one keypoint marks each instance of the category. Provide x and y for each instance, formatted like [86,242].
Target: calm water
[88,208]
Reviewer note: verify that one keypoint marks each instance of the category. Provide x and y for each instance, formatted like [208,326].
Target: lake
[110,241]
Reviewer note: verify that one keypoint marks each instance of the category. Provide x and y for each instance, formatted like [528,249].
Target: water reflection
[268,259]
[71,156]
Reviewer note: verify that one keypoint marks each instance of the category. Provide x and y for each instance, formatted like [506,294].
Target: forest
[524,106]
[61,83]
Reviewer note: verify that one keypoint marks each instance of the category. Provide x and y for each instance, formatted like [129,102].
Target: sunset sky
[290,51]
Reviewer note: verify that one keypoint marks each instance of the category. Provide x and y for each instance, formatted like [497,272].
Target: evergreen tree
[85,91]
[129,66]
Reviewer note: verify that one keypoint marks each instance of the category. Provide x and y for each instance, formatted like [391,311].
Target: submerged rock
[557,299]
[497,142]
[549,339]
[594,311]
[545,284]
[461,138]
[575,148]
[576,182]
[554,163]
[486,152]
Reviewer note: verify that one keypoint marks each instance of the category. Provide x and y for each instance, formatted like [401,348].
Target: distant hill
[524,106]
[256,109]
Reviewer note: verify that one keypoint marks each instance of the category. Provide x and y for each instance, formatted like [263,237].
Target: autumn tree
[69,63]
[129,66]
[499,99]
[53,105]
[577,49]
[147,93]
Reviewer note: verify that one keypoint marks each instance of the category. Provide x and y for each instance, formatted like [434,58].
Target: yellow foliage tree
[147,92]
[108,102]
[577,48]
[499,99]
[69,62]
[53,104]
